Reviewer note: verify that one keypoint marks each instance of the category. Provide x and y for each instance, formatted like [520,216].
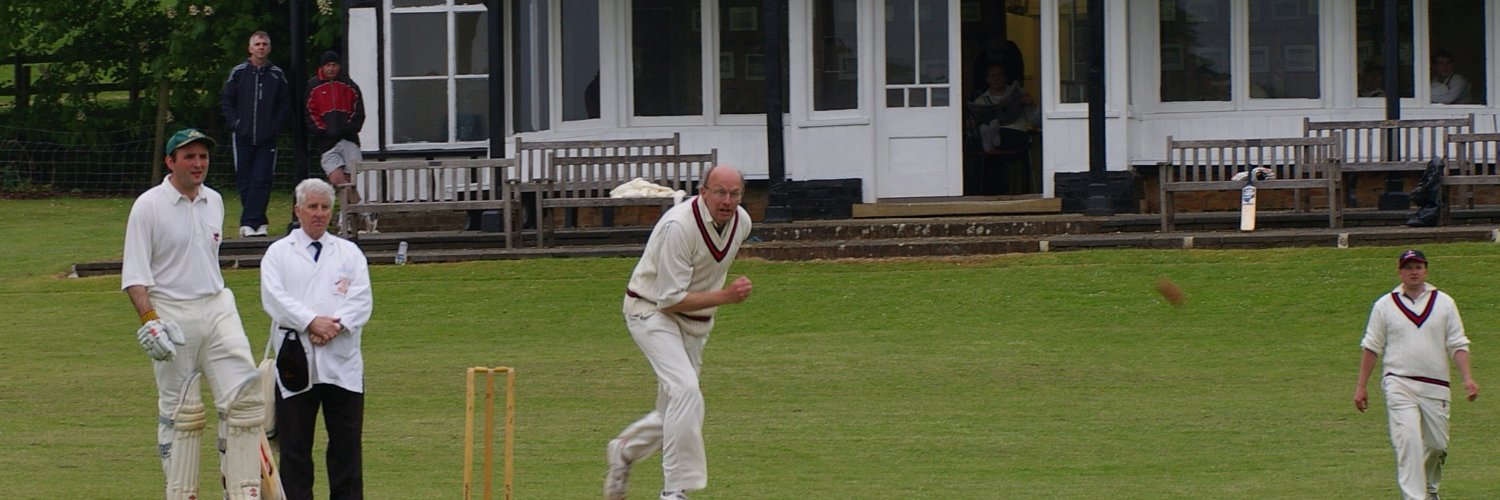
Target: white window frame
[448,8]
[802,83]
[1118,51]
[707,13]
[1422,58]
[709,17]
[607,68]
[1146,58]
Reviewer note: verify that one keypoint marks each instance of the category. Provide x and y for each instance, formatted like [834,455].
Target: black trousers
[343,417]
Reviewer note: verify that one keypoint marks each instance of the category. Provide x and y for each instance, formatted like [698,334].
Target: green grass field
[1058,375]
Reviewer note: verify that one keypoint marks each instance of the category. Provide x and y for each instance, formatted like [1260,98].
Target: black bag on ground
[1427,196]
[291,361]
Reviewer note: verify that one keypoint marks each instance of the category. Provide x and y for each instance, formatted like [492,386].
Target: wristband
[148,316]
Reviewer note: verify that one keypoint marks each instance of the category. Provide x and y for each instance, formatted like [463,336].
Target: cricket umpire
[189,324]
[316,288]
[1414,329]
[669,309]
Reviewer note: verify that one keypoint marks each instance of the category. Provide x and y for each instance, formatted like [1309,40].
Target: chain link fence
[114,163]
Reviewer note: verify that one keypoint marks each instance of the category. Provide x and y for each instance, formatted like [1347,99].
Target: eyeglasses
[720,193]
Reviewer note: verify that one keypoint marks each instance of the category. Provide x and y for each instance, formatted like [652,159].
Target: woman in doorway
[1005,112]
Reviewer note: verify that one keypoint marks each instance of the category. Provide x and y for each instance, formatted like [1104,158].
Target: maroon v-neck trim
[1416,319]
[708,239]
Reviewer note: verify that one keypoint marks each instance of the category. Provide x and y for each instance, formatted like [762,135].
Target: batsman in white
[189,324]
[669,309]
[1414,329]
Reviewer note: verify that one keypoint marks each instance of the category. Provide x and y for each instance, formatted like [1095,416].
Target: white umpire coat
[294,289]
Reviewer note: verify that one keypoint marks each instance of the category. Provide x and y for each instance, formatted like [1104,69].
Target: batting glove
[160,339]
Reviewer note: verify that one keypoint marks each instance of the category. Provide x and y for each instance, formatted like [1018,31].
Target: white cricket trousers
[215,346]
[1419,433]
[676,426]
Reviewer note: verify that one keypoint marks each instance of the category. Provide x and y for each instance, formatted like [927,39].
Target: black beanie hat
[329,57]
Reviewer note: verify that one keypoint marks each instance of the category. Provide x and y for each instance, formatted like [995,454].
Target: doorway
[1000,44]
[914,124]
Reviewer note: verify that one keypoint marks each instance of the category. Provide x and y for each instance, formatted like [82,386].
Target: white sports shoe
[261,231]
[674,495]
[370,221]
[247,231]
[617,480]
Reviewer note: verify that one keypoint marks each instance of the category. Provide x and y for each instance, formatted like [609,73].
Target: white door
[917,124]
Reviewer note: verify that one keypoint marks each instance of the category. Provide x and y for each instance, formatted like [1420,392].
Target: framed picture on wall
[1215,59]
[1260,59]
[848,66]
[969,11]
[755,66]
[1171,57]
[1201,11]
[1285,10]
[1300,58]
[743,19]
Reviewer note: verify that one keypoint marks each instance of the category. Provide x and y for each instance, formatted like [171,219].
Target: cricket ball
[1171,292]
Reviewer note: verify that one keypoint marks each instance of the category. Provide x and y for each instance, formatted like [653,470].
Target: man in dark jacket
[335,115]
[255,104]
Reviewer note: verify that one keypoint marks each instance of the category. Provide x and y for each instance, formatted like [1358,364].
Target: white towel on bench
[1261,174]
[641,188]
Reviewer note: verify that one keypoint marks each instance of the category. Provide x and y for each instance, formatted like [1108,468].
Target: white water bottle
[401,254]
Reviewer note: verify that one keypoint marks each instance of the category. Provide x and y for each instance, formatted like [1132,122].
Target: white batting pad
[180,456]
[242,457]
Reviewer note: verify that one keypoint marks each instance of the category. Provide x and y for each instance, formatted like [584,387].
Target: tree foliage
[188,44]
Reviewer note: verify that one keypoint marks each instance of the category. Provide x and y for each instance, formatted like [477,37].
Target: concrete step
[858,229]
[990,245]
[913,237]
[1034,204]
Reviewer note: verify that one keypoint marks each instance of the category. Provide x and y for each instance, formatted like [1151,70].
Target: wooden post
[163,91]
[23,83]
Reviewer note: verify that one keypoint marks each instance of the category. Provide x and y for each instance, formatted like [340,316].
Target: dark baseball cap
[187,136]
[1411,255]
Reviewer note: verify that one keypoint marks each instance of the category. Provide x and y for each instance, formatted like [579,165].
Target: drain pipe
[778,207]
[1098,200]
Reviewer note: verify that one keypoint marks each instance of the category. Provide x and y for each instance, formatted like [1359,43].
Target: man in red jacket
[335,114]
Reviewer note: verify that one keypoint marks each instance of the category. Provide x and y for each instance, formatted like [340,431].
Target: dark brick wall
[1366,187]
[1073,188]
[822,199]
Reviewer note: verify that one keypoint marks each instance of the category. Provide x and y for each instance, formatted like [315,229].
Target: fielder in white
[190,326]
[669,309]
[318,285]
[1414,330]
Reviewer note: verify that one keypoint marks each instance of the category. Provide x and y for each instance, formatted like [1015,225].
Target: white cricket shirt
[172,243]
[686,254]
[1415,337]
[294,289]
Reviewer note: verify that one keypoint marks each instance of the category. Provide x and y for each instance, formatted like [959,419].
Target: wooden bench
[1391,146]
[531,158]
[586,181]
[1473,163]
[436,185]
[1210,165]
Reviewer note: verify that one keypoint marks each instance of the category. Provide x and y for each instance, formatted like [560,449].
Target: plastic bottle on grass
[401,254]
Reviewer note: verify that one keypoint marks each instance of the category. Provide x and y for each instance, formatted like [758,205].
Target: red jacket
[335,110]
